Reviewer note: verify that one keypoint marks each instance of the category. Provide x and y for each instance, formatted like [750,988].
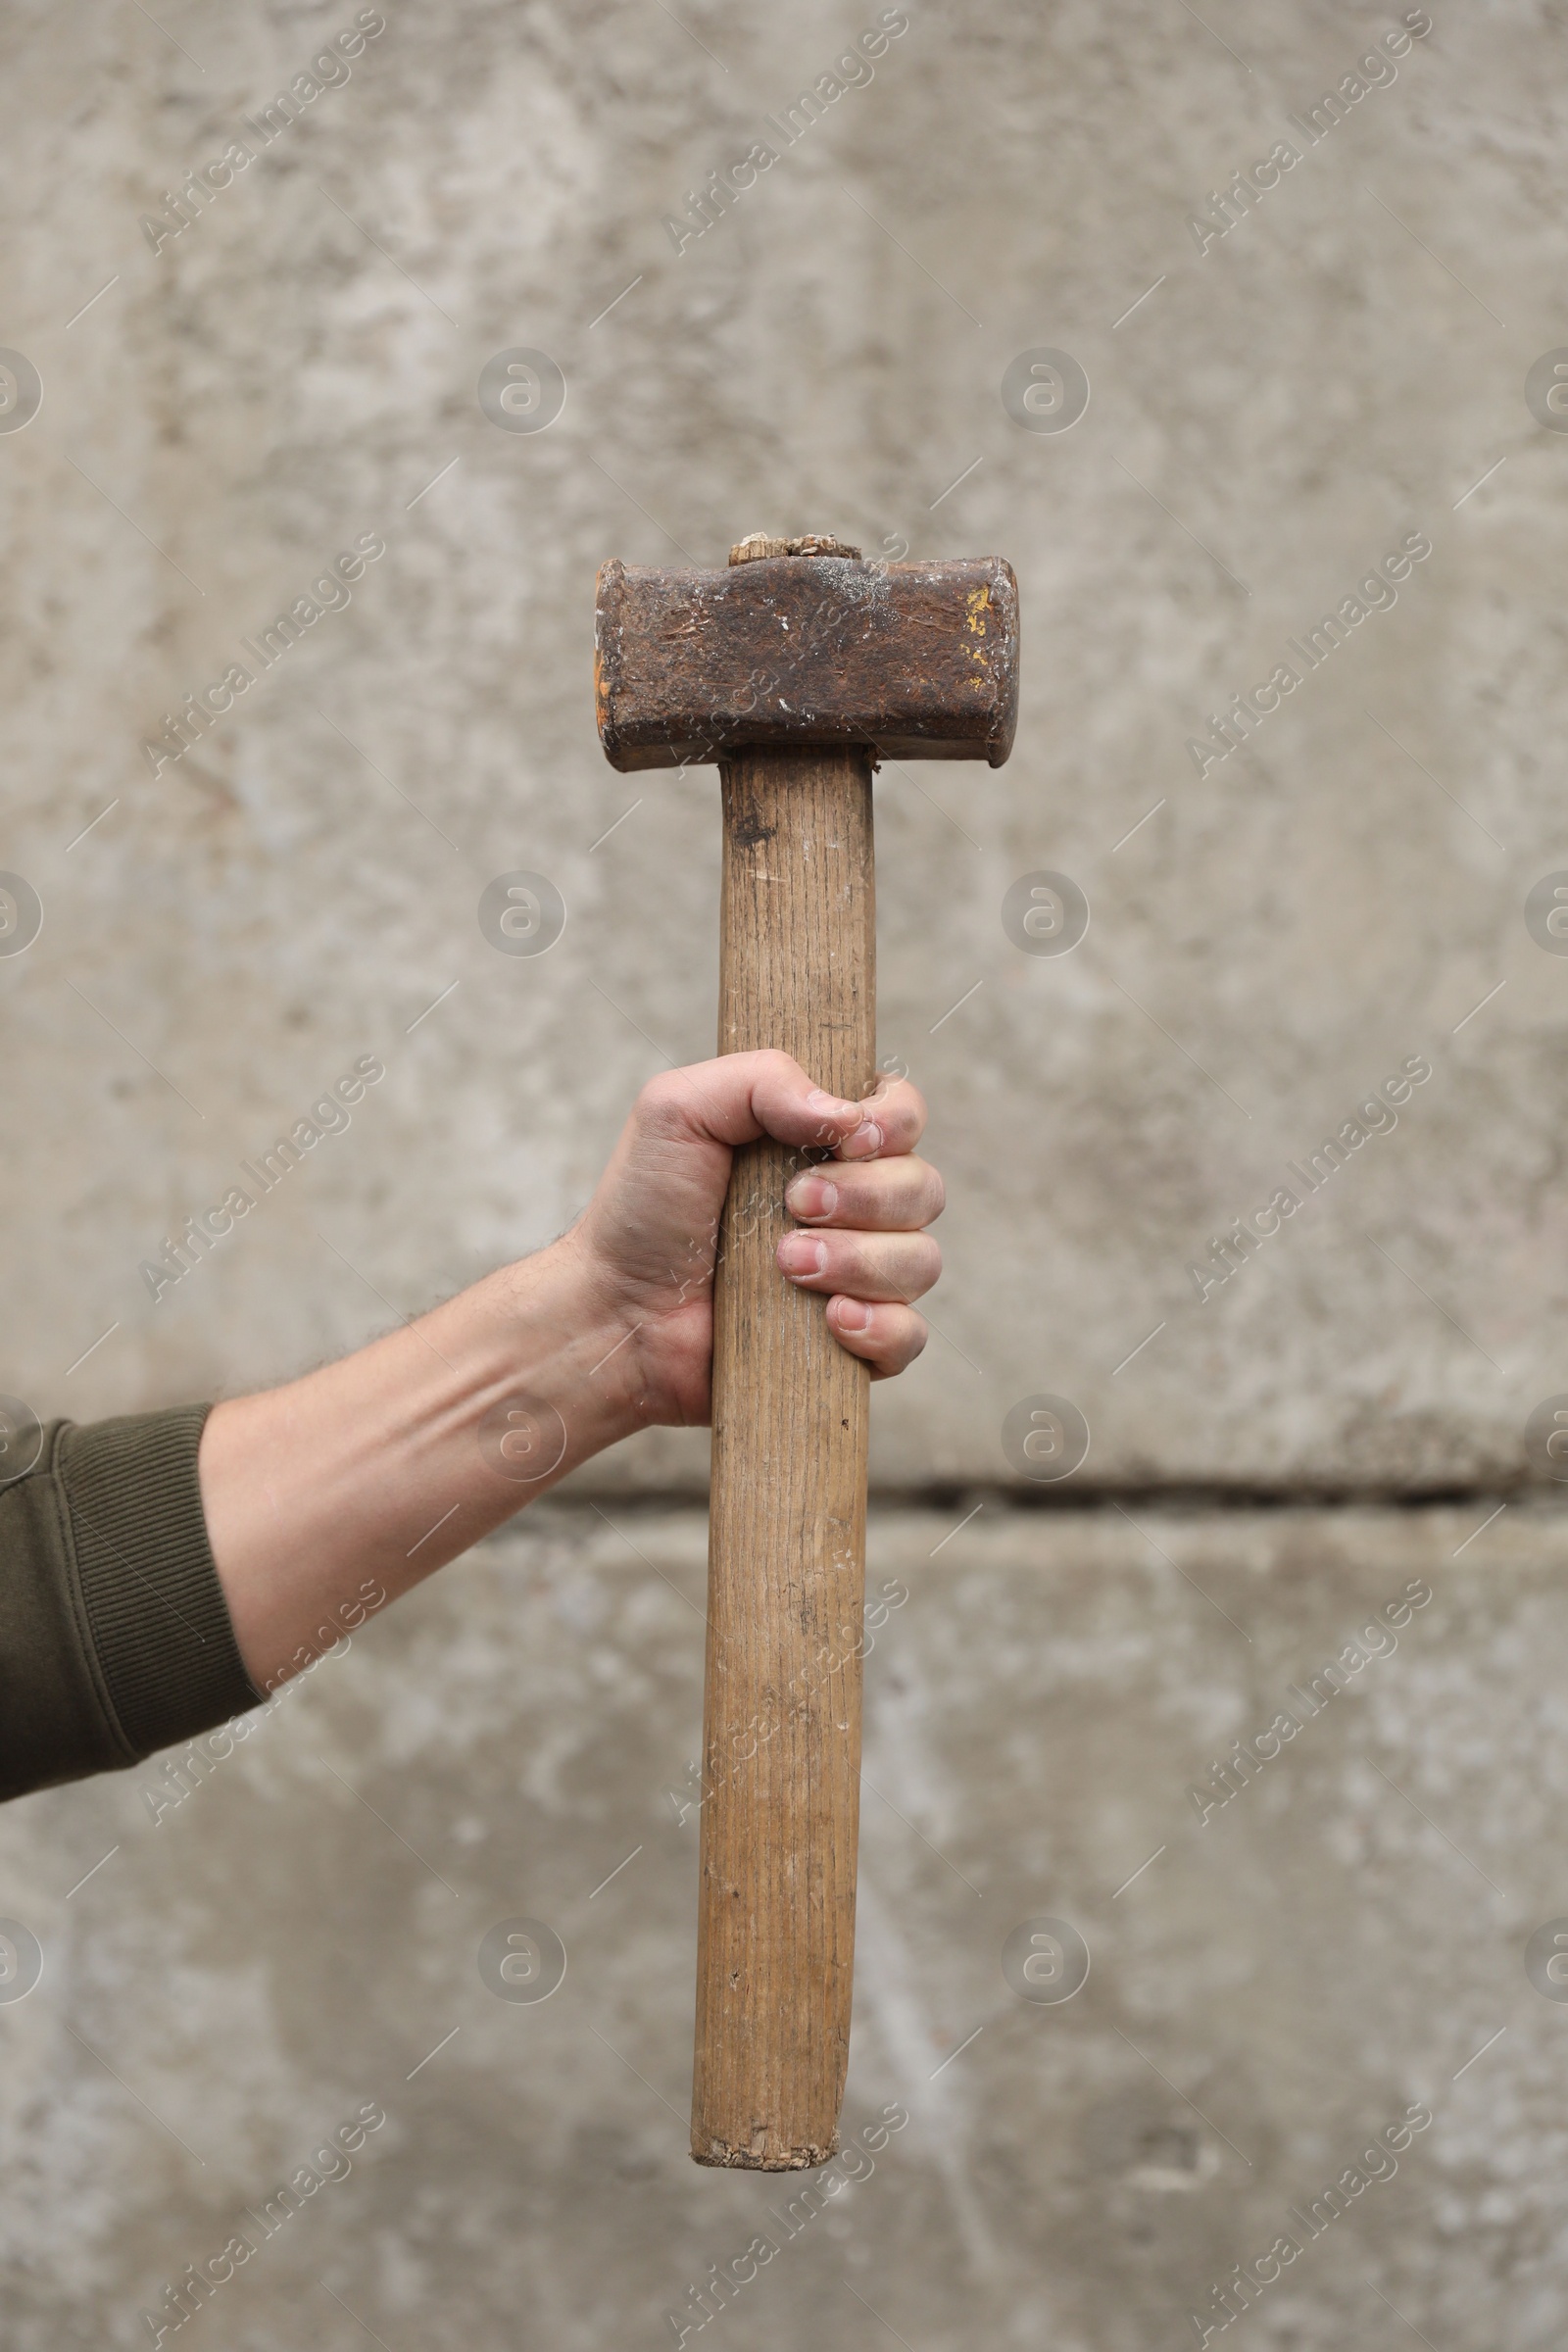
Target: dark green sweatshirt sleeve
[114,1637]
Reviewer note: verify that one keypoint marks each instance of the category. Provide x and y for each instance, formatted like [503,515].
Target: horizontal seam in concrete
[1071,1497]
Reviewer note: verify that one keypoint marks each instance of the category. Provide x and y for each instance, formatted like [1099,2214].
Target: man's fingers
[865,1265]
[881,1196]
[890,1338]
[738,1097]
[891,1121]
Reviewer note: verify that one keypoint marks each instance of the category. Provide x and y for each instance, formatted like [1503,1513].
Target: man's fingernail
[854,1315]
[830,1107]
[798,1254]
[810,1198]
[866,1138]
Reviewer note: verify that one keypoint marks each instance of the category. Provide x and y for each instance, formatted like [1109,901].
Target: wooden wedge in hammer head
[795,667]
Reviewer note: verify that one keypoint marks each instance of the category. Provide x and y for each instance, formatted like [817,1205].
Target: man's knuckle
[663,1103]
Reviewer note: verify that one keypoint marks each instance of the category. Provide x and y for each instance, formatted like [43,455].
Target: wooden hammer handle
[785,1563]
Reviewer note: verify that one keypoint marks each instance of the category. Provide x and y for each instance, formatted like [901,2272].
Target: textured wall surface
[296,367]
[1361,362]
[1270,1986]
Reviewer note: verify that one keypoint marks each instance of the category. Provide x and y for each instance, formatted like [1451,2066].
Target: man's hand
[370,1472]
[646,1240]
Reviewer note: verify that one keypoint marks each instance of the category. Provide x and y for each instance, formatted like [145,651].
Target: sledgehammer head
[809,646]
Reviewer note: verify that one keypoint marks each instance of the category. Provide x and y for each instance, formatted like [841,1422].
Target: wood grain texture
[781,1730]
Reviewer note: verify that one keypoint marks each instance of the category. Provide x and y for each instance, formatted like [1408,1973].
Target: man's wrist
[574,1344]
[401,1455]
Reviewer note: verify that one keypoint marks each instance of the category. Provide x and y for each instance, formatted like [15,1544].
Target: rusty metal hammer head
[801,642]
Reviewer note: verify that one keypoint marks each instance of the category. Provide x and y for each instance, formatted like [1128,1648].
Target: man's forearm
[377,1470]
[388,1464]
[157,1570]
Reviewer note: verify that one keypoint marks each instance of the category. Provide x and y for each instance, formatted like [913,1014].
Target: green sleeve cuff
[115,1636]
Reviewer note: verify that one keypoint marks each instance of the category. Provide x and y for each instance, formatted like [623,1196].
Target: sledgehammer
[796,669]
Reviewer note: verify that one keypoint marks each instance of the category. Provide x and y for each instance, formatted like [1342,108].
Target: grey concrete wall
[1271,935]
[294,369]
[1269,1987]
